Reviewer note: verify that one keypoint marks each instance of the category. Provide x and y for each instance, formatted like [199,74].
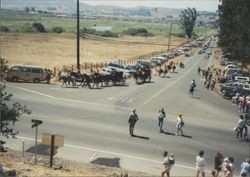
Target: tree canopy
[234,31]
[187,20]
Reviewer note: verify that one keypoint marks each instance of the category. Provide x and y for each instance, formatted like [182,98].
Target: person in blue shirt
[245,168]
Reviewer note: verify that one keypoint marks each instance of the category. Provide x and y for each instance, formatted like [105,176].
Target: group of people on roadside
[223,165]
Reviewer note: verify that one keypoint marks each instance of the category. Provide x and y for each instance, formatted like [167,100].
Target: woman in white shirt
[200,164]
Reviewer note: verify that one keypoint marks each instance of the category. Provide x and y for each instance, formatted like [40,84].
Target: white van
[25,73]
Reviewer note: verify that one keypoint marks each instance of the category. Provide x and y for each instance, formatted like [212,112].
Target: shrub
[138,32]
[28,28]
[58,29]
[4,29]
[39,27]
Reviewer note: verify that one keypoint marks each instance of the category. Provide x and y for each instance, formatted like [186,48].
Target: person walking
[161,115]
[179,125]
[241,125]
[200,164]
[191,87]
[133,118]
[245,168]
[168,162]
[218,161]
[229,172]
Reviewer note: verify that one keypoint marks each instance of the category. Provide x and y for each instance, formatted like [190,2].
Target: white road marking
[66,99]
[170,85]
[112,153]
[92,157]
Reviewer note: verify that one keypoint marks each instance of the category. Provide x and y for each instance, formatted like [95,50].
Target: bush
[98,33]
[138,32]
[4,29]
[39,27]
[28,28]
[58,29]
[106,34]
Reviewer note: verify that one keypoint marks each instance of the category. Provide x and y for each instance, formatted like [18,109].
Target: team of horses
[93,80]
[97,80]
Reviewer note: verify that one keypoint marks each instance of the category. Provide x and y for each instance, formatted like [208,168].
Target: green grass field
[15,21]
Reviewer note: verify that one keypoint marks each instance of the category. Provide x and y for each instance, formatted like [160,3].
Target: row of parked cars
[236,80]
[129,70]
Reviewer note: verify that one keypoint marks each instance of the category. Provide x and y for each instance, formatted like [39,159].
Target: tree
[4,29]
[3,64]
[10,114]
[234,28]
[187,20]
[27,9]
[39,27]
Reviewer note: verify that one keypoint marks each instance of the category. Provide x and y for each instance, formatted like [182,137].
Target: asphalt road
[95,122]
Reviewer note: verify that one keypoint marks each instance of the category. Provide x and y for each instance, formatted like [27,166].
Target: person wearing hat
[133,118]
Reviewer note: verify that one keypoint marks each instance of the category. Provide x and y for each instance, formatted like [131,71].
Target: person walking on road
[168,162]
[191,87]
[241,125]
[133,118]
[218,161]
[179,125]
[245,168]
[200,164]
[161,115]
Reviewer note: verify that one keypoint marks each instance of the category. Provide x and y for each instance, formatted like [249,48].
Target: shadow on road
[186,136]
[195,97]
[142,137]
[42,149]
[110,162]
[168,133]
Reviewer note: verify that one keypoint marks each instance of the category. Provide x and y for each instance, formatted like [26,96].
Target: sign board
[59,139]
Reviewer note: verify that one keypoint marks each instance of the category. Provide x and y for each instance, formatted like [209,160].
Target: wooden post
[54,73]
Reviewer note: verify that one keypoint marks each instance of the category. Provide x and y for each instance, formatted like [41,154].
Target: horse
[142,75]
[67,80]
[163,71]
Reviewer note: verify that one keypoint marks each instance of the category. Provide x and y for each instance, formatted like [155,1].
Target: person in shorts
[200,164]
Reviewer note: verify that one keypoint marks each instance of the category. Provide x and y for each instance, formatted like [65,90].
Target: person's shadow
[141,137]
[168,133]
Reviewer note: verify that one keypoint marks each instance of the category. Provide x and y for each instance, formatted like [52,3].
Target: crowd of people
[223,166]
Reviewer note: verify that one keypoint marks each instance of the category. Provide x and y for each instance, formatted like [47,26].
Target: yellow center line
[170,85]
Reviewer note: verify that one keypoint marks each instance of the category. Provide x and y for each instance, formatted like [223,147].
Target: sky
[200,5]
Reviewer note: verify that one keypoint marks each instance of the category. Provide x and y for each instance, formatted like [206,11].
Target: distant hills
[68,7]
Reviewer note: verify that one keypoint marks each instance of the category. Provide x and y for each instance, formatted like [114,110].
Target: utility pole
[78,37]
[169,36]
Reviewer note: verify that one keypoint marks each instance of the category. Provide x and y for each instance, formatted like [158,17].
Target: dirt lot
[57,50]
[25,168]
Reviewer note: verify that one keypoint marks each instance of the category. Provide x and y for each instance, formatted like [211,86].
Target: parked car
[241,79]
[122,68]
[230,66]
[223,61]
[201,51]
[229,63]
[145,63]
[158,60]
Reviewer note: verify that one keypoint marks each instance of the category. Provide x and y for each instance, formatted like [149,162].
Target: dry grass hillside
[57,50]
